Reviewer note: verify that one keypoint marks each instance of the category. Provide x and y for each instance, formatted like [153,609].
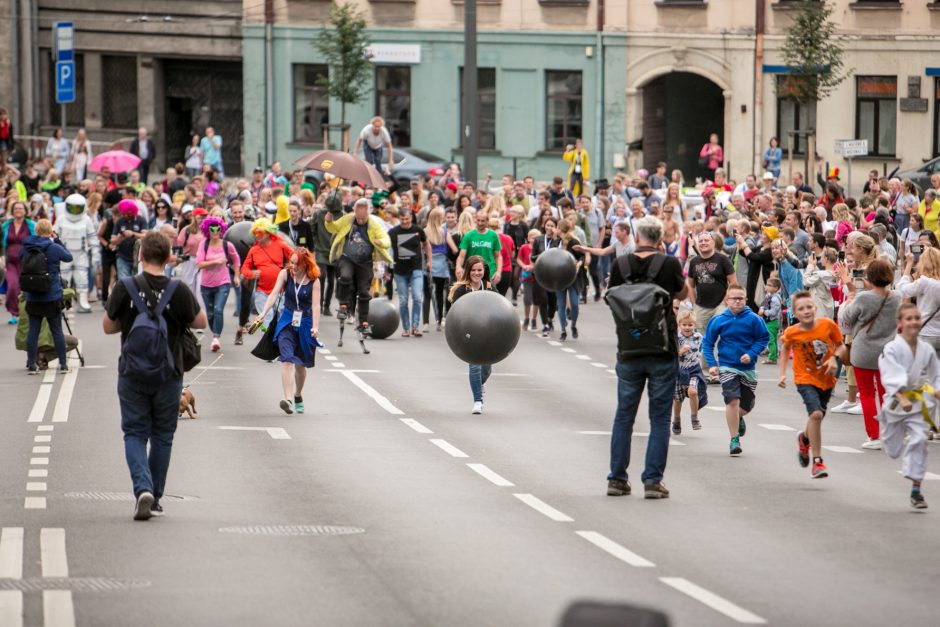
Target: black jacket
[302,236]
[151,150]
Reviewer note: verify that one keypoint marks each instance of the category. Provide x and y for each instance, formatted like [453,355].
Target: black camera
[858,274]
[917,248]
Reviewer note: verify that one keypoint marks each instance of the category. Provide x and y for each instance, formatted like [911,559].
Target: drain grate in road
[76,584]
[121,496]
[293,530]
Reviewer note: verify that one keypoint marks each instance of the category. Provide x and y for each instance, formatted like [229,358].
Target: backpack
[640,308]
[35,277]
[146,354]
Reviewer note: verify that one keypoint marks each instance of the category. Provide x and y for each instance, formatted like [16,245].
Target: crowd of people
[758,269]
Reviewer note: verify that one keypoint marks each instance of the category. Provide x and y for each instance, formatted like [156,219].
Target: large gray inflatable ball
[482,328]
[383,318]
[240,236]
[555,269]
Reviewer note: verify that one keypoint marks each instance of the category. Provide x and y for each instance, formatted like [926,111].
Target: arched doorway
[680,110]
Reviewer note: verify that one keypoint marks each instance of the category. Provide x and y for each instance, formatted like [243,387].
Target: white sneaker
[873,444]
[477,407]
[855,410]
[841,407]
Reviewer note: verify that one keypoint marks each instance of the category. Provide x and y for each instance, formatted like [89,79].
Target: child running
[741,337]
[691,382]
[814,342]
[770,309]
[910,373]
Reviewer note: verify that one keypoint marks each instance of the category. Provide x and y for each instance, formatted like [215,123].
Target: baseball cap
[199,211]
[452,187]
[769,176]
[258,169]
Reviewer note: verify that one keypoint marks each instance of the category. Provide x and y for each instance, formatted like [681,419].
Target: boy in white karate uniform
[910,373]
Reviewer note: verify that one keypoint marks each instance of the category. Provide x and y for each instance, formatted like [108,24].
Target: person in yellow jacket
[579,169]
[359,240]
[929,210]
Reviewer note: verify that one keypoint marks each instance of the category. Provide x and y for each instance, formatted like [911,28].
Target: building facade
[546,76]
[171,66]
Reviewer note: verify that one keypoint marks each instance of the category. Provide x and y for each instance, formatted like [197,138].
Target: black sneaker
[696,423]
[545,331]
[239,337]
[574,332]
[144,505]
[656,490]
[33,369]
[742,427]
[156,510]
[562,337]
[917,500]
[618,487]
[676,427]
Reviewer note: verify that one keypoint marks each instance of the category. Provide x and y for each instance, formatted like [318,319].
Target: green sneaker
[298,404]
[742,428]
[735,446]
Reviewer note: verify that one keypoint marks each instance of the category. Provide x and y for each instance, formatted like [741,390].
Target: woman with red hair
[297,326]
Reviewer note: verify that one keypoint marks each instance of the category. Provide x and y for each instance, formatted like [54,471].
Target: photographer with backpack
[152,313]
[642,288]
[41,281]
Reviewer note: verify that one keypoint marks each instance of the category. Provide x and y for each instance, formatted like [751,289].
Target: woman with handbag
[869,316]
[295,334]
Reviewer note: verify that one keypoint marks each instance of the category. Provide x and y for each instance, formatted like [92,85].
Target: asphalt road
[388,503]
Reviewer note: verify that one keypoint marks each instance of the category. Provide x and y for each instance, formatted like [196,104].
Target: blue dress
[294,343]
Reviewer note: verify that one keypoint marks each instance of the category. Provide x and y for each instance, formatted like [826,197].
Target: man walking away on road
[645,357]
[376,139]
[741,337]
[814,342]
[150,400]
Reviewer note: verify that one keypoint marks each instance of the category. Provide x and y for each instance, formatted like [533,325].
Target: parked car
[920,175]
[408,163]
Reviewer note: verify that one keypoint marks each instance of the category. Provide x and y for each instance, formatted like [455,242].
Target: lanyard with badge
[298,314]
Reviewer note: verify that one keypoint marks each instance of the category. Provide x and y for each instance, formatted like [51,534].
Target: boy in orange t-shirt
[814,343]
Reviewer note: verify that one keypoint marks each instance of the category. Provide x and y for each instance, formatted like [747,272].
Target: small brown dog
[188,404]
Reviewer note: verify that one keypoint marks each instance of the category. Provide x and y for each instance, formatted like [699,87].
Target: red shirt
[507,248]
[5,129]
[269,260]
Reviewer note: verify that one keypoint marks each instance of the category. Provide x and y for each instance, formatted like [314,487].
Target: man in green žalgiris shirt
[483,242]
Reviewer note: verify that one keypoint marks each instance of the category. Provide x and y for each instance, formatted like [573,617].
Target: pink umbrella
[115,161]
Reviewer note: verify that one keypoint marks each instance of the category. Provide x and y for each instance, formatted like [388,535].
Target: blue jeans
[214,298]
[901,221]
[373,156]
[125,268]
[403,282]
[632,377]
[571,292]
[149,414]
[478,377]
[32,339]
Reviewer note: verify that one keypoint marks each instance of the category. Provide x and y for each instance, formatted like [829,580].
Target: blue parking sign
[65,82]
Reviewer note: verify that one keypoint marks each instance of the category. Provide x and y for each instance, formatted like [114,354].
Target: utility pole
[471,129]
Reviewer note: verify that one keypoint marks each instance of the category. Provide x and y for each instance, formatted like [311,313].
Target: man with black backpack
[642,288]
[152,313]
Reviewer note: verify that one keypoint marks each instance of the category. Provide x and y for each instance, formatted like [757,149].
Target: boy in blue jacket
[741,337]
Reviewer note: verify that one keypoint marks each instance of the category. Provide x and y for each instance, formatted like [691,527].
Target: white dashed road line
[494,478]
[569,350]
[772,427]
[383,402]
[584,357]
[543,508]
[42,401]
[554,343]
[842,449]
[276,433]
[11,567]
[620,552]
[414,424]
[597,364]
[447,447]
[60,413]
[712,600]
[57,607]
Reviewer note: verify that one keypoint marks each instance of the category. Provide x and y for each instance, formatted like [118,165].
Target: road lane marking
[60,413]
[357,370]
[611,372]
[42,438]
[620,552]
[371,392]
[543,508]
[45,428]
[338,364]
[494,478]
[594,432]
[330,357]
[584,357]
[712,600]
[414,424]
[42,450]
[324,351]
[11,567]
[57,607]
[598,364]
[710,408]
[554,343]
[569,350]
[447,447]
[35,486]
[38,472]
[773,427]
[842,449]
[38,461]
[276,433]
[42,401]
[49,375]
[34,502]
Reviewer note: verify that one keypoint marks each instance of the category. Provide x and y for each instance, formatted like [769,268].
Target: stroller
[46,345]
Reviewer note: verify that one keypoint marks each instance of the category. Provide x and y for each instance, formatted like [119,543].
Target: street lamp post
[471,128]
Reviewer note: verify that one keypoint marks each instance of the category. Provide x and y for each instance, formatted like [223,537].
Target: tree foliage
[813,49]
[342,44]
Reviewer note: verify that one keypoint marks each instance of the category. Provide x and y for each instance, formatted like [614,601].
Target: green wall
[520,59]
